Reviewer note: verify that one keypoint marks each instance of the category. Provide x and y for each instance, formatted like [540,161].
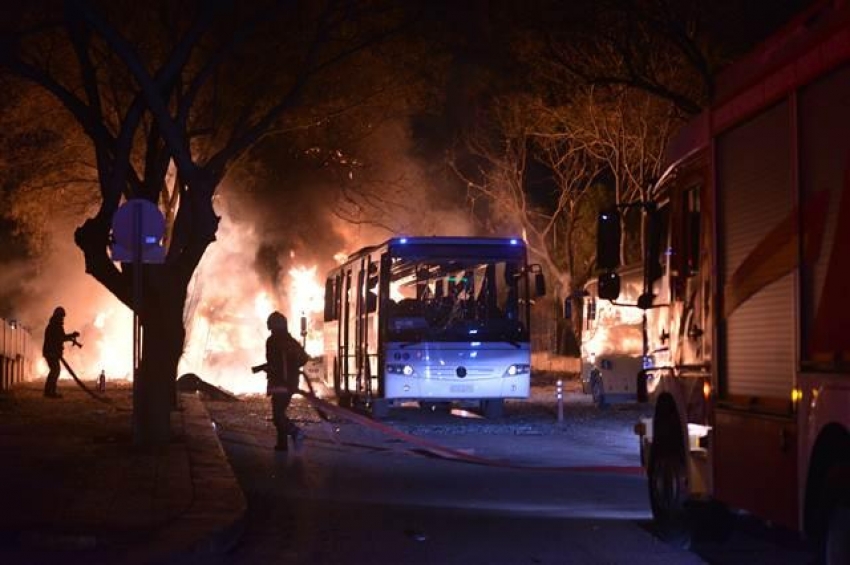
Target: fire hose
[78,381]
[427,447]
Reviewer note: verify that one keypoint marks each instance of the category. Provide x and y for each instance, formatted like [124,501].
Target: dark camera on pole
[258,368]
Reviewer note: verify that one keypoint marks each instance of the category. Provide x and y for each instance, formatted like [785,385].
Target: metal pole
[560,396]
[137,328]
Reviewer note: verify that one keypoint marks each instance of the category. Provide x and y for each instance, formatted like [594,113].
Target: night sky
[370,171]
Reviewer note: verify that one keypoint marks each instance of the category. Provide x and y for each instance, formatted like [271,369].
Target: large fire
[307,300]
[225,319]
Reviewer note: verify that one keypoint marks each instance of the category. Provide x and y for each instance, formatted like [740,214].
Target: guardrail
[17,353]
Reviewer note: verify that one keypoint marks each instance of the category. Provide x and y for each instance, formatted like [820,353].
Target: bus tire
[493,408]
[345,400]
[379,408]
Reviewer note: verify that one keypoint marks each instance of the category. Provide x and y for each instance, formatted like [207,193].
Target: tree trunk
[163,337]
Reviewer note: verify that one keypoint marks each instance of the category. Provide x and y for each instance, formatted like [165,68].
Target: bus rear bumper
[416,388]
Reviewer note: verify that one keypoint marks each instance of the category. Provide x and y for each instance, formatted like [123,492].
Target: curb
[214,522]
[218,498]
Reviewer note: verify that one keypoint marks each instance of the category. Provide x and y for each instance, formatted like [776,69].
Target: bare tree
[525,173]
[191,86]
[627,130]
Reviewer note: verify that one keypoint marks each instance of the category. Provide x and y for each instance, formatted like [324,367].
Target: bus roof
[466,246]
[455,240]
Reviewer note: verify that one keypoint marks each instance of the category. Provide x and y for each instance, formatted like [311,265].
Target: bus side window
[372,288]
[331,299]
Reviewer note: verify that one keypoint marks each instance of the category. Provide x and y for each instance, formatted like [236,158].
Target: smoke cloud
[293,218]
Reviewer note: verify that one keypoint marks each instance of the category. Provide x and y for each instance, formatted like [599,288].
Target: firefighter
[54,342]
[284,359]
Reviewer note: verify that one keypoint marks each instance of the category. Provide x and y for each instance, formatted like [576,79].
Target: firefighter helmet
[59,312]
[276,321]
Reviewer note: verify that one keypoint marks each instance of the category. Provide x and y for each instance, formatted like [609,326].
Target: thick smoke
[59,279]
[297,216]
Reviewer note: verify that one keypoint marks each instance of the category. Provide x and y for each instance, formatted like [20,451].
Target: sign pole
[137,230]
[137,327]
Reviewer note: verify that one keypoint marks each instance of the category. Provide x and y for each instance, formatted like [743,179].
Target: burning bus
[433,320]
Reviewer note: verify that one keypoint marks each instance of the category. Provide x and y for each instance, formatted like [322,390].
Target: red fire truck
[746,278]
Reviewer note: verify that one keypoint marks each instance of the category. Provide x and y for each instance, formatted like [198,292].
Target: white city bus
[433,320]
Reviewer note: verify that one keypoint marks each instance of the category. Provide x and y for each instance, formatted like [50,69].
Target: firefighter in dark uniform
[284,359]
[54,342]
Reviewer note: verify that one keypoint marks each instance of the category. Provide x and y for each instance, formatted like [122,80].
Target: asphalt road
[354,495]
[540,491]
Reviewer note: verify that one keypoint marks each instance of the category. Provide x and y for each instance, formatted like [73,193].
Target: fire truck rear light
[706,390]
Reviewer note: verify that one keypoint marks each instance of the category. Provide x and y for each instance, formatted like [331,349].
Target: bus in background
[433,320]
[612,341]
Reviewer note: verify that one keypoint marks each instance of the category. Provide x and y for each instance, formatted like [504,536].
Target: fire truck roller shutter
[754,178]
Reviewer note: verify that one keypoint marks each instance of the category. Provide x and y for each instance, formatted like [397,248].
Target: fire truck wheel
[667,494]
[837,548]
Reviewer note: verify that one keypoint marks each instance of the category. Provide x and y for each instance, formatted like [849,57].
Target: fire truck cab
[748,349]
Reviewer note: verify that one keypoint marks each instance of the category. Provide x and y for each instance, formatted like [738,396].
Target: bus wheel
[837,549]
[597,390]
[493,409]
[667,494]
[345,400]
[380,408]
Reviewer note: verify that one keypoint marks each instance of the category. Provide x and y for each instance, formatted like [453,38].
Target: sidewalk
[74,489]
